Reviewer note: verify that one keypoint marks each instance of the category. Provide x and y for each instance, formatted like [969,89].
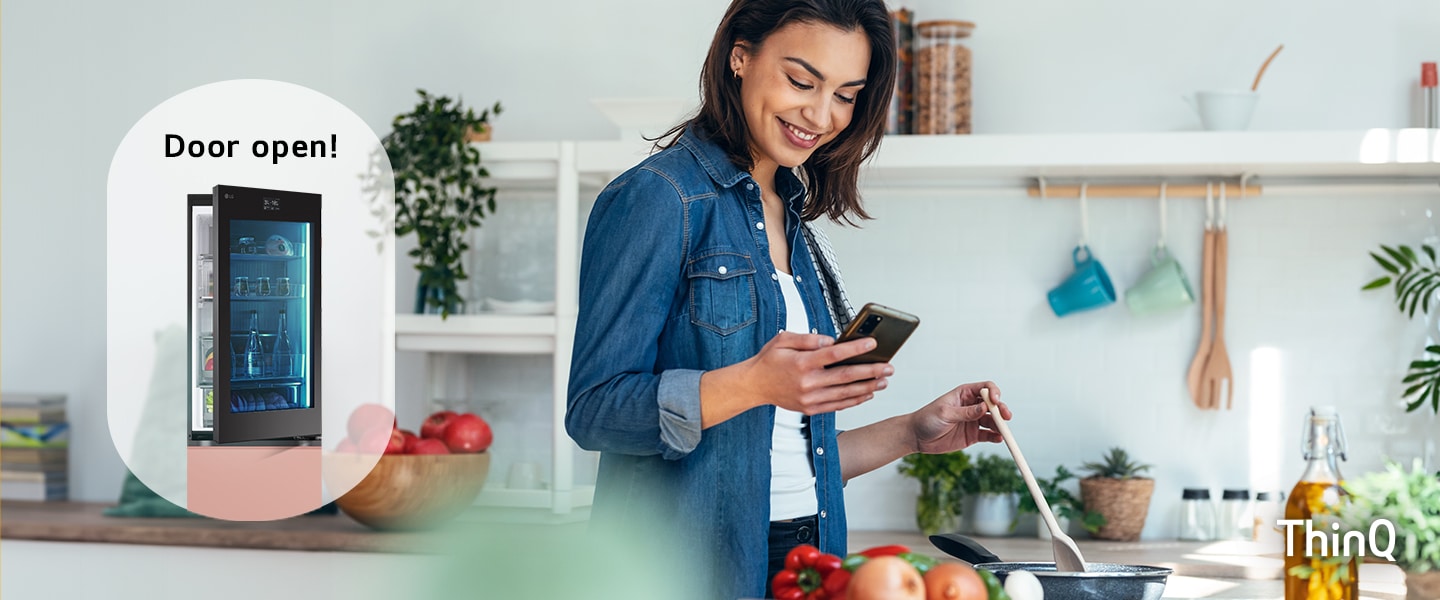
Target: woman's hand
[957,420]
[789,372]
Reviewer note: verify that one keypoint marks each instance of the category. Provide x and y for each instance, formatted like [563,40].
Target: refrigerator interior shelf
[264,298]
[269,380]
[263,257]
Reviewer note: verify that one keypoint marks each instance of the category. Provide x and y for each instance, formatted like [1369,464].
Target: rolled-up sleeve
[631,268]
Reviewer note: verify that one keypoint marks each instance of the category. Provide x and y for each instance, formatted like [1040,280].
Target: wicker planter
[1422,586]
[1124,502]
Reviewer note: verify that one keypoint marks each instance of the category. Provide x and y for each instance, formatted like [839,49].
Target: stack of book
[34,447]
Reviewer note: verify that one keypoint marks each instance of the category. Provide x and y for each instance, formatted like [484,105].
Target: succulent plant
[1116,465]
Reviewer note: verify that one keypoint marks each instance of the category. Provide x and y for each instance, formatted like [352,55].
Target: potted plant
[1066,505]
[1115,489]
[1411,503]
[1415,279]
[994,483]
[440,193]
[937,508]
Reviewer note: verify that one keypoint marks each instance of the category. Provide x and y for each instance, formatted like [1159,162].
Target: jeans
[784,537]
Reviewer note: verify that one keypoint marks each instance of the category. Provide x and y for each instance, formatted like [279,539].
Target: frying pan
[1099,581]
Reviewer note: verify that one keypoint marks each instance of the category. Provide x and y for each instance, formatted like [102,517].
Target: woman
[707,317]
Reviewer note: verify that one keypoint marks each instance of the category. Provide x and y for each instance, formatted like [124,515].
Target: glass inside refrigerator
[256,334]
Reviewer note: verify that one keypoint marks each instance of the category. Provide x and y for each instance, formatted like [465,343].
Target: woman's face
[798,89]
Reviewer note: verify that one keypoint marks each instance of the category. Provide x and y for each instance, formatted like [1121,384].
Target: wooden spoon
[1217,368]
[1256,85]
[1207,299]
[1067,554]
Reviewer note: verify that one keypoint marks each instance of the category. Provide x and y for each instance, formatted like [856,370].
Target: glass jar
[1237,518]
[942,78]
[902,104]
[1317,494]
[1197,515]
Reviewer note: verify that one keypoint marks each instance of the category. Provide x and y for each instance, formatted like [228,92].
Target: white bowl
[644,116]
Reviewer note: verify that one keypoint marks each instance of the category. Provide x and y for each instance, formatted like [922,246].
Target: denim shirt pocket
[722,291]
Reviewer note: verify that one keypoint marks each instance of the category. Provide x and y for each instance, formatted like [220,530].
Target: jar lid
[1195,494]
[1235,495]
[944,28]
[1265,496]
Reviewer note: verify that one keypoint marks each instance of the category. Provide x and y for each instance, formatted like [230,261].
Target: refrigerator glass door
[267,318]
[201,279]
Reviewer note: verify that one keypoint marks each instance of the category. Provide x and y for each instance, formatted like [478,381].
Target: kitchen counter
[83,522]
[1220,570]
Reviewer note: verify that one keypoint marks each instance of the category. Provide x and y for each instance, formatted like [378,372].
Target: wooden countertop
[83,522]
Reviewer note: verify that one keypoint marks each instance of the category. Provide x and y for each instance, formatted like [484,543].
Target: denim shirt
[675,280]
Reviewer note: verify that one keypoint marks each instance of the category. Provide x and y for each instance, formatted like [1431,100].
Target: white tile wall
[975,268]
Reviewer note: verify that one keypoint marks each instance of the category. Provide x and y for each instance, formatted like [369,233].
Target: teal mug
[1164,288]
[1086,288]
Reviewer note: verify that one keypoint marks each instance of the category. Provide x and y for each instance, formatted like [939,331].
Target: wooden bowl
[416,491]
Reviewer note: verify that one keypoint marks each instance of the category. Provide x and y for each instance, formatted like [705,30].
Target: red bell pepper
[805,574]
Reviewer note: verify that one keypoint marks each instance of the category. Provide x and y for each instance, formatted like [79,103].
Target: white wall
[74,77]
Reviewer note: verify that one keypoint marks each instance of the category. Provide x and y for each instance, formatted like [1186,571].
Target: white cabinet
[902,162]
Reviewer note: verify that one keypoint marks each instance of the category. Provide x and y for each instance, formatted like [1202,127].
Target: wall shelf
[948,164]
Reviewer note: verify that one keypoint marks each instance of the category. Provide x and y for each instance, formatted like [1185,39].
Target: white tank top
[792,486]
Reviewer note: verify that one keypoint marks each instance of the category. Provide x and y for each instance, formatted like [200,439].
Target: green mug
[1164,288]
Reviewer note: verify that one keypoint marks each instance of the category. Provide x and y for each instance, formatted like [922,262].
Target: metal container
[1100,581]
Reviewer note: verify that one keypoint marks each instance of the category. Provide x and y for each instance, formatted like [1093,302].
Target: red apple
[367,417]
[429,446]
[397,443]
[434,425]
[468,433]
[410,439]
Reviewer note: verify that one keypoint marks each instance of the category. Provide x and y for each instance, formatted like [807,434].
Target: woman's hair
[833,171]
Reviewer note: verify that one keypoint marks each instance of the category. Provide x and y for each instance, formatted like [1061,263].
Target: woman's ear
[738,56]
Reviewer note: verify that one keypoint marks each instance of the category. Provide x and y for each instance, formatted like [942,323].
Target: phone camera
[868,326]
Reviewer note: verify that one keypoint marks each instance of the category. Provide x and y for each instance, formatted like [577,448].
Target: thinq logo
[1341,545]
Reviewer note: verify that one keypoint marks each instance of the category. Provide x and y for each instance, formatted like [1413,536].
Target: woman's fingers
[841,351]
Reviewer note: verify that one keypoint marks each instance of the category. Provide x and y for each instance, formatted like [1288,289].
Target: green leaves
[1408,500]
[439,190]
[992,474]
[1116,465]
[1064,502]
[940,491]
[1416,280]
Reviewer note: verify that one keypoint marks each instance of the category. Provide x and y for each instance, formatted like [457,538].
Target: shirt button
[749,186]
[812,330]
[822,514]
[760,225]
[723,270]
[820,451]
[797,279]
[775,276]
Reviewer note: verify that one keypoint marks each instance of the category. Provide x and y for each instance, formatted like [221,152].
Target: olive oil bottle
[1316,494]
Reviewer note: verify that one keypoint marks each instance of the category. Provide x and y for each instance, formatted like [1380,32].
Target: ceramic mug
[1224,110]
[1086,288]
[1163,288]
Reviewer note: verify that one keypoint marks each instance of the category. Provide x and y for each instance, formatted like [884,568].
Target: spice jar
[1237,518]
[942,78]
[1197,515]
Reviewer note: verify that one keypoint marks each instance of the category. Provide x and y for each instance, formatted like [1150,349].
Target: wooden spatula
[1207,308]
[1067,554]
[1217,367]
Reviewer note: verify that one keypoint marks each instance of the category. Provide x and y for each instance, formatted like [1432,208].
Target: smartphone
[888,326]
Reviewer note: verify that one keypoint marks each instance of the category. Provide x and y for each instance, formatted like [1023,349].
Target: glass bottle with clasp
[1316,495]
[254,359]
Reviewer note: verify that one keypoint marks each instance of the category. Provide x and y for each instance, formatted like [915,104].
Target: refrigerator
[254,286]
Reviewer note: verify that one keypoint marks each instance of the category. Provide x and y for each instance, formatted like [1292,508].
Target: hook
[1040,181]
[1084,216]
[1222,223]
[1209,205]
[1161,244]
[1244,179]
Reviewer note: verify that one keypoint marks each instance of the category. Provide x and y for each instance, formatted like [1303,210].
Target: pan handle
[963,548]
